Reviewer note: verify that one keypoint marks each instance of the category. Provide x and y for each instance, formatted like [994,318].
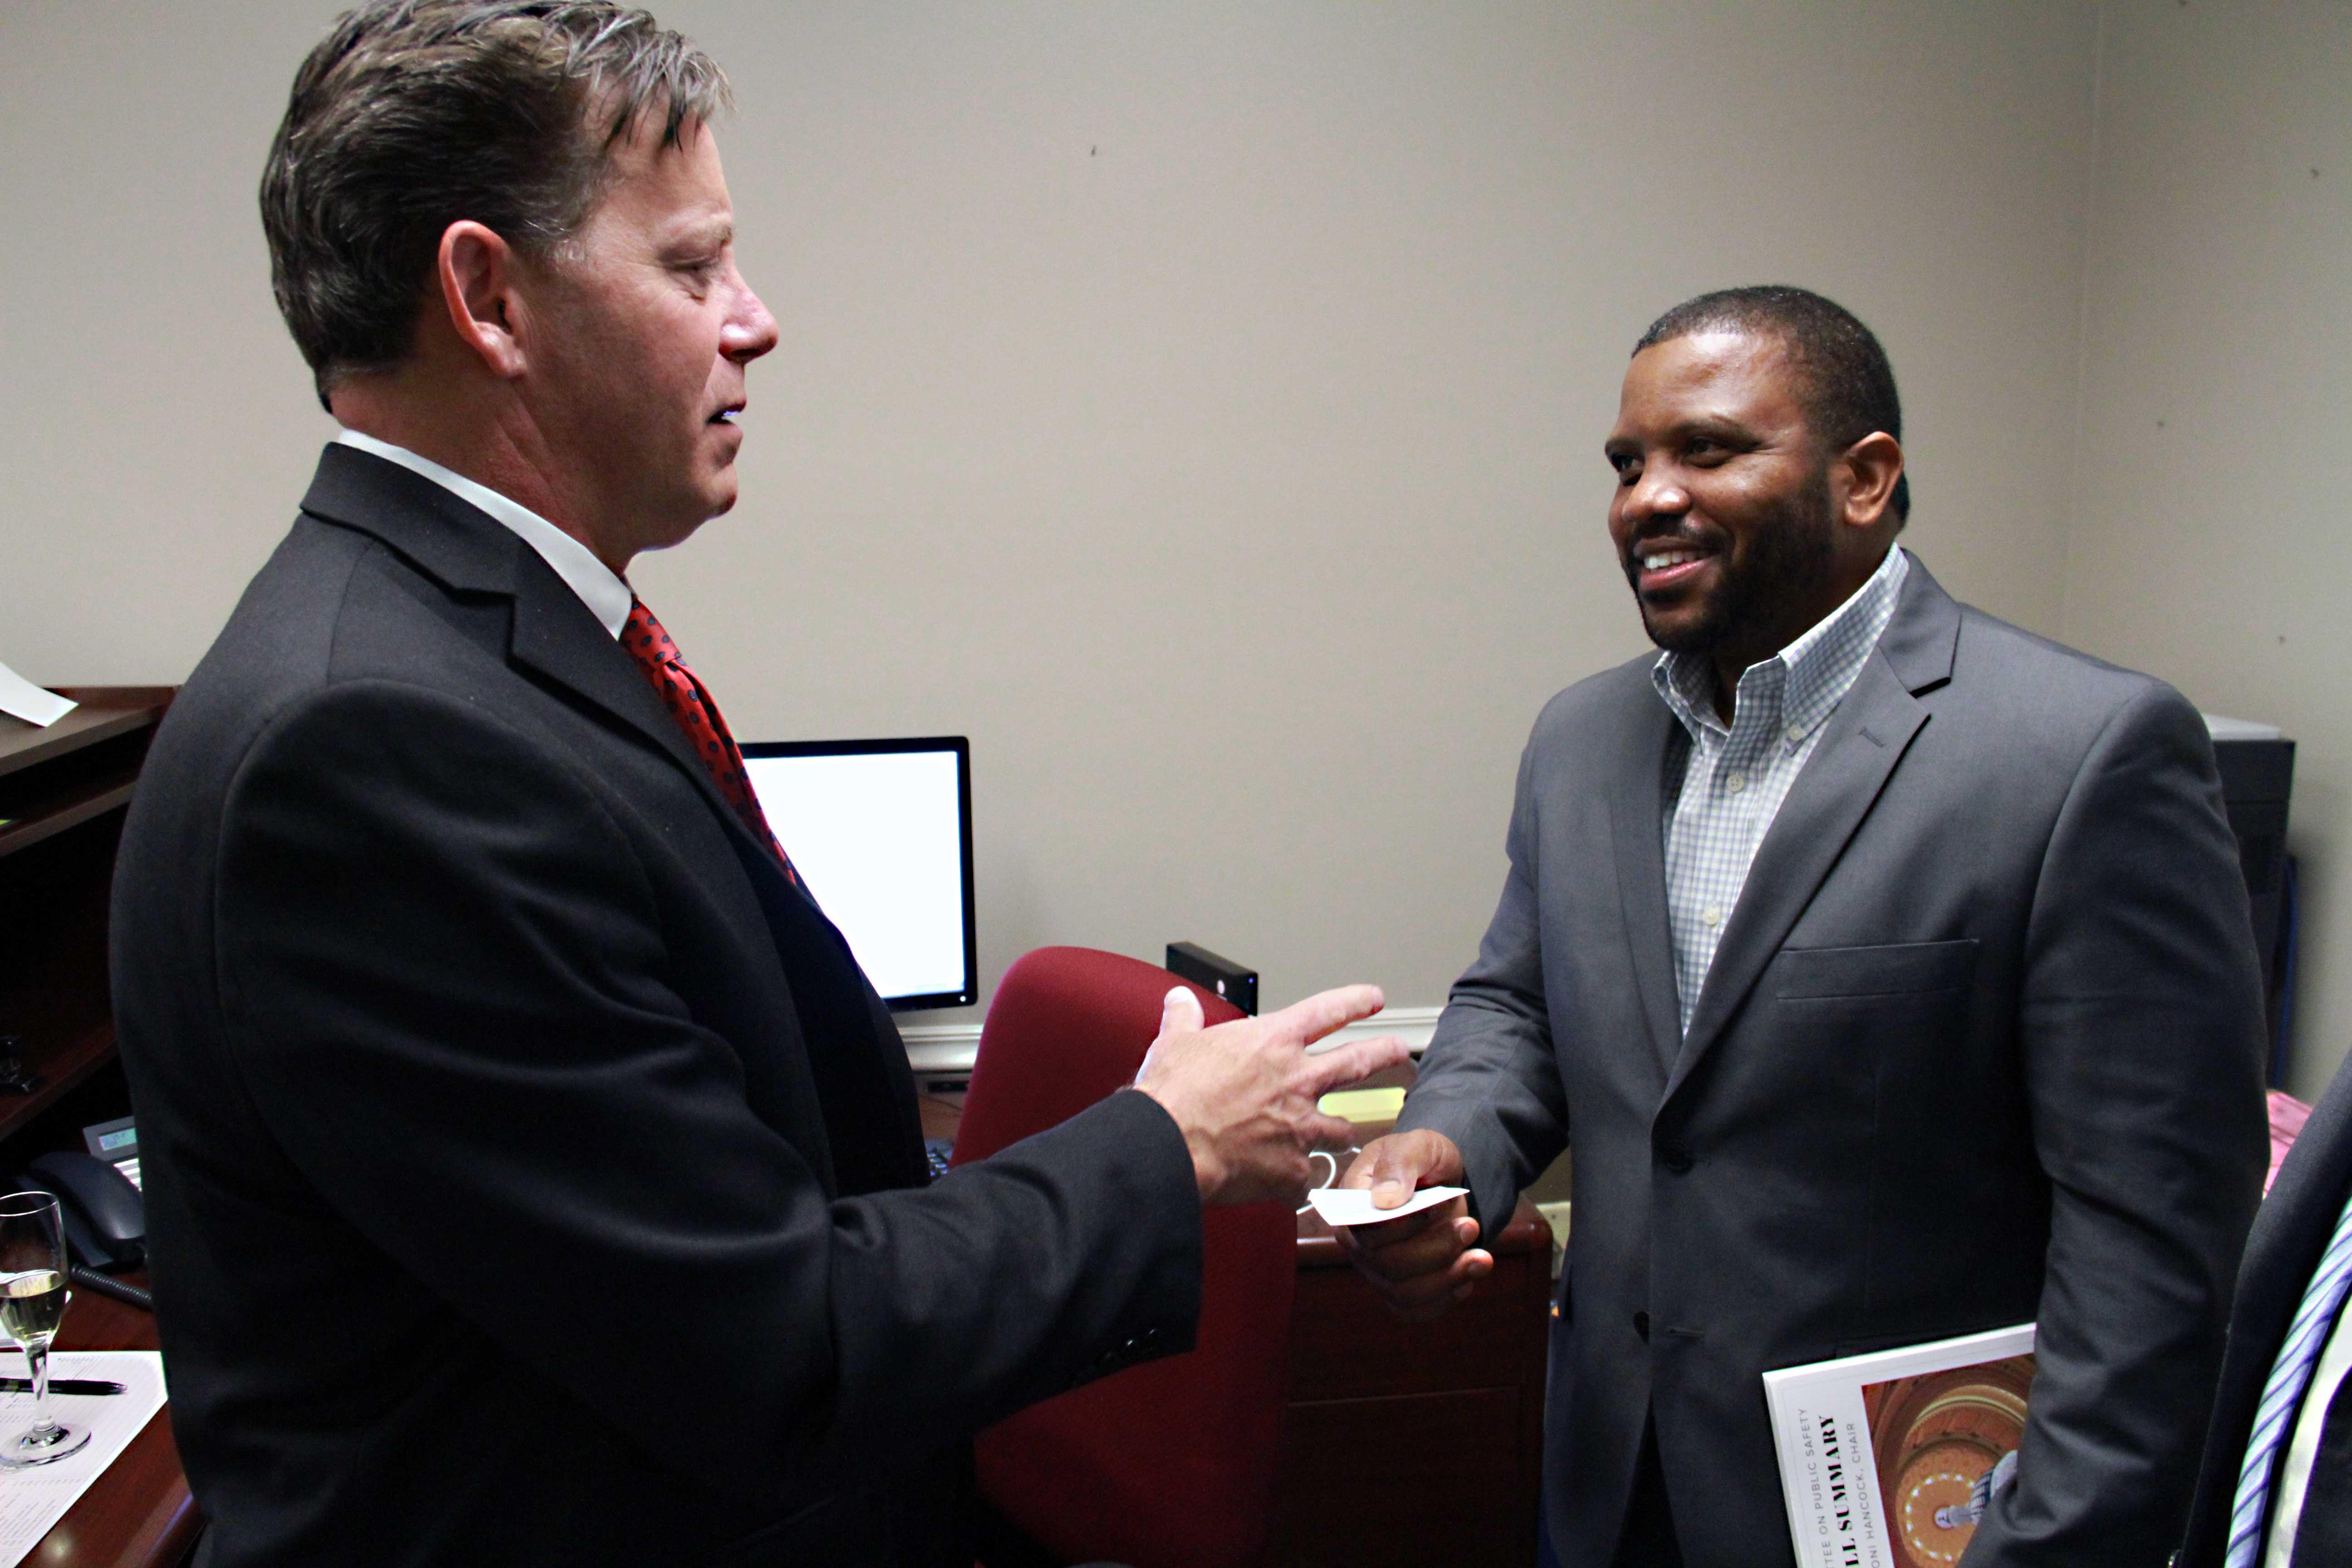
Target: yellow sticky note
[1363,1104]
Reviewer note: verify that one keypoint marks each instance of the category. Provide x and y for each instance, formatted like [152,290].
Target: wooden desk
[137,1514]
[1404,1444]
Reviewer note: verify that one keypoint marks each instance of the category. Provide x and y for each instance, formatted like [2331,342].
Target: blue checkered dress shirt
[1735,779]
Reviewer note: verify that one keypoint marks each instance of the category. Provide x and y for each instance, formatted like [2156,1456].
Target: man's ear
[480,278]
[1871,465]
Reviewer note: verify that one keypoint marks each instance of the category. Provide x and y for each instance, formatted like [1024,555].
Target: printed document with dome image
[1888,1460]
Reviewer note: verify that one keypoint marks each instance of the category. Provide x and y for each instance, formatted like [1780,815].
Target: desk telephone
[105,1218]
[105,1224]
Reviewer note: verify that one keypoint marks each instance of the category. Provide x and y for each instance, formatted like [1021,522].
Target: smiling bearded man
[1889,970]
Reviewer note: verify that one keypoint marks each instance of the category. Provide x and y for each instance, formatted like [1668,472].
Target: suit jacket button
[1676,1160]
[1642,1326]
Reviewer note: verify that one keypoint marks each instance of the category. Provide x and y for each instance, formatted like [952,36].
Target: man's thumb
[1396,1174]
[1180,1014]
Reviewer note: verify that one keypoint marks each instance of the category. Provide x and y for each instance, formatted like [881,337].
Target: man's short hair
[411,115]
[1849,389]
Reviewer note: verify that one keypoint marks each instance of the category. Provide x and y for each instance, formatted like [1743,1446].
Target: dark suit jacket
[1980,1046]
[2290,1231]
[531,1175]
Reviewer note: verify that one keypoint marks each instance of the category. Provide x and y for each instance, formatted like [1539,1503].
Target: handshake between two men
[1245,1096]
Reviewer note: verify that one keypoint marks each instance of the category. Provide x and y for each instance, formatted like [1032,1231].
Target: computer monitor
[880,832]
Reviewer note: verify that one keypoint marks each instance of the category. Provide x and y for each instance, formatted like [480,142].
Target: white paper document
[29,702]
[1353,1205]
[33,1500]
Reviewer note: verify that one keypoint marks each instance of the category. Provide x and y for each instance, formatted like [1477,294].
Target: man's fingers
[1307,1021]
[1180,1013]
[1392,1158]
[1427,1295]
[1467,1271]
[1330,1133]
[1421,1263]
[1351,1063]
[1423,1249]
[1390,1239]
[1422,1234]
[1403,1162]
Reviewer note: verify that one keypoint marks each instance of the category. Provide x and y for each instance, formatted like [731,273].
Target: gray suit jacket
[1980,1046]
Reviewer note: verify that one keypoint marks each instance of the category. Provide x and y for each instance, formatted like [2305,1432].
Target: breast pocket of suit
[1857,1013]
[1888,971]
[1852,1032]
[1878,1017]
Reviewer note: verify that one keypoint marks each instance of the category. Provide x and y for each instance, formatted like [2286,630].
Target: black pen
[61,1385]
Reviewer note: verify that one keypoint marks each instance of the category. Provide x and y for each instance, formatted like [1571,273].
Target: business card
[1353,1205]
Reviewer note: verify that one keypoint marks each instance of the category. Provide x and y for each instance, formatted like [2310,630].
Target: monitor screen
[880,832]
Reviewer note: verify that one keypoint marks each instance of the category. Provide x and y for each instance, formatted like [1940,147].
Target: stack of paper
[32,1500]
[29,702]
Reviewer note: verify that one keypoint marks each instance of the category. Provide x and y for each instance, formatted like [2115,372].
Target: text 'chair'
[1169,1464]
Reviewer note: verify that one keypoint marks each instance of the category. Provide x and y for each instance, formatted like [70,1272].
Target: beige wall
[2210,541]
[1197,404]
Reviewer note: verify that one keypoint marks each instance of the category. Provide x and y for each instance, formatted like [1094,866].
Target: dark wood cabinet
[63,793]
[1410,1444]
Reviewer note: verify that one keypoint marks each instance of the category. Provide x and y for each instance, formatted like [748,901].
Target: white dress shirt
[1734,778]
[607,596]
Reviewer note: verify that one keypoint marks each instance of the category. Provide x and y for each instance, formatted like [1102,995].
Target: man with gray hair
[531,1174]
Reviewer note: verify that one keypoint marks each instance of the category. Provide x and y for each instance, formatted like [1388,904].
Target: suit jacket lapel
[558,641]
[865,1093]
[554,635]
[1866,738]
[1637,825]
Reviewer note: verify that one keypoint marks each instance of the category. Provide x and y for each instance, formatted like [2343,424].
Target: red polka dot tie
[690,705]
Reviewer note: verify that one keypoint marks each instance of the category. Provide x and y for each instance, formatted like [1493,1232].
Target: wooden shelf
[79,768]
[48,817]
[63,1066]
[23,744]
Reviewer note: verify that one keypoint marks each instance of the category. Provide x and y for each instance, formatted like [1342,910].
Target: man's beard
[1789,556]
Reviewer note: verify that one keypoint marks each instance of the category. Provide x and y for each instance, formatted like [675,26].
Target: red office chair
[1169,1464]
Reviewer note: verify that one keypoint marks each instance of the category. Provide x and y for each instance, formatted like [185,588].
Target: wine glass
[33,1299]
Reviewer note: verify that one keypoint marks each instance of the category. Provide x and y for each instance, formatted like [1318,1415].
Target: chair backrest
[1169,1464]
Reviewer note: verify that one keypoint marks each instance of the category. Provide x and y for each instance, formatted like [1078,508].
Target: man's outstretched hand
[1423,1263]
[1244,1093]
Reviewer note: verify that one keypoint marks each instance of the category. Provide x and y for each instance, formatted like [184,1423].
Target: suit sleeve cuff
[1145,1158]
